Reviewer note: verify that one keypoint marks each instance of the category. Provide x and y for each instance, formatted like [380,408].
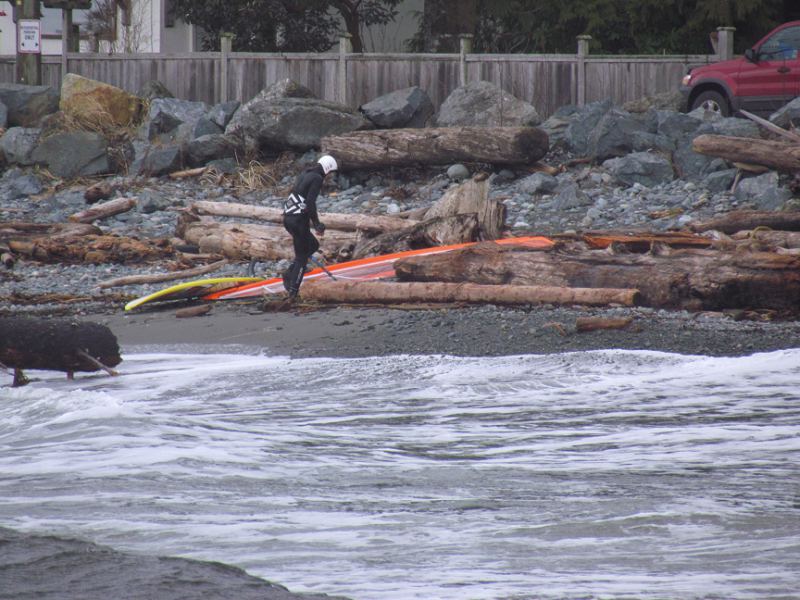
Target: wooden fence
[546,81]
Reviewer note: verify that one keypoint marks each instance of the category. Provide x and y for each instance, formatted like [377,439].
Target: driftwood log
[383,292]
[782,156]
[56,345]
[241,241]
[161,277]
[95,249]
[436,146]
[688,278]
[23,230]
[742,220]
[472,197]
[103,210]
[441,231]
[372,224]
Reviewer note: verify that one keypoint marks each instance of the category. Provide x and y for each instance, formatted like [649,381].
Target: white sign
[29,36]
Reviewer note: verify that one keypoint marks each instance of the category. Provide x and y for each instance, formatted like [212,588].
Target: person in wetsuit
[299,213]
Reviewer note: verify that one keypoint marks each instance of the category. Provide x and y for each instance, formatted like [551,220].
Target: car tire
[713,101]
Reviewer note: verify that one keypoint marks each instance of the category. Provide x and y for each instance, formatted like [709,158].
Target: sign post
[29,43]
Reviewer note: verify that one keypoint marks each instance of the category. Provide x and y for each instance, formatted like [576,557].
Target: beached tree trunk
[783,156]
[104,210]
[244,241]
[437,146]
[56,345]
[745,220]
[691,279]
[373,224]
[95,249]
[441,231]
[17,230]
[383,292]
[472,197]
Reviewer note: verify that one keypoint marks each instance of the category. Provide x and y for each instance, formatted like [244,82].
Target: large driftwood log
[742,220]
[95,249]
[782,156]
[383,292]
[769,238]
[24,230]
[56,345]
[690,279]
[372,224]
[441,231]
[472,197]
[436,146]
[103,210]
[242,241]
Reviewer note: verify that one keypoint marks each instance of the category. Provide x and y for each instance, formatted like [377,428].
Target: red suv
[762,81]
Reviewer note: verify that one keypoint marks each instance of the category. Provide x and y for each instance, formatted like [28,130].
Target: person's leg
[305,244]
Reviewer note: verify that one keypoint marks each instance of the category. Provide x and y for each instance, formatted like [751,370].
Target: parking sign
[29,36]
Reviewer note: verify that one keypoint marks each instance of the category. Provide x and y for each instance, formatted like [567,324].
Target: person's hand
[320,228]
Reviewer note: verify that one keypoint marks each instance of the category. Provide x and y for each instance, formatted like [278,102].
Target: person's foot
[285,277]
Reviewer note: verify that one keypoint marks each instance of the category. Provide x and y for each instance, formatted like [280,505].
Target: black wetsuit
[299,212]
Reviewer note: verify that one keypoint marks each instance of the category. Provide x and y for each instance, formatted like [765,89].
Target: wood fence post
[345,48]
[725,43]
[29,50]
[583,52]
[465,47]
[225,43]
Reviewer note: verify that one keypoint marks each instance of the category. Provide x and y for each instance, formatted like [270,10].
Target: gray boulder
[614,135]
[693,166]
[720,181]
[285,88]
[205,126]
[18,144]
[582,123]
[154,161]
[3,116]
[74,154]
[171,119]
[675,125]
[21,184]
[409,107]
[645,168]
[537,183]
[763,192]
[208,148]
[787,115]
[731,126]
[483,104]
[457,172]
[28,104]
[221,114]
[271,125]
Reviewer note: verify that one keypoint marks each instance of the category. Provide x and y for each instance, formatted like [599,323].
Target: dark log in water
[56,345]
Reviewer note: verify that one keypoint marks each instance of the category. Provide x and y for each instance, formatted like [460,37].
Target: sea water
[600,474]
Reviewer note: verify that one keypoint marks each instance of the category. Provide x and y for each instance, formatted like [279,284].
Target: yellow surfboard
[191,289]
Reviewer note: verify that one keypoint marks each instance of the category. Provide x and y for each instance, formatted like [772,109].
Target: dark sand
[307,331]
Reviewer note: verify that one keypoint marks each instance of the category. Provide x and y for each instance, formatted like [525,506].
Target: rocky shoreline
[607,169]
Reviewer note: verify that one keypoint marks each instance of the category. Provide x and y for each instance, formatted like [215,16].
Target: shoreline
[308,331]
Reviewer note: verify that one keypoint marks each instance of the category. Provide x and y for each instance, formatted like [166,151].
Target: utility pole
[29,42]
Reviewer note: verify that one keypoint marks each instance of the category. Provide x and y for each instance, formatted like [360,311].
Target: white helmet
[328,163]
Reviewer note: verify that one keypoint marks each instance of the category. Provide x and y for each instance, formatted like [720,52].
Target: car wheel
[713,101]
